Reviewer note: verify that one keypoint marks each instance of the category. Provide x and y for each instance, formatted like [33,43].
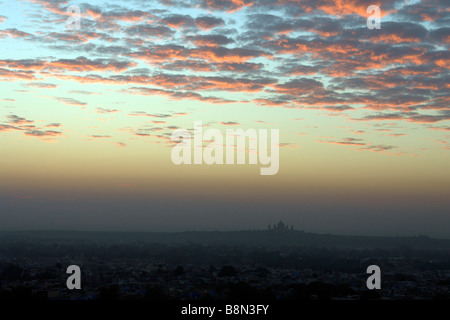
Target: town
[127,267]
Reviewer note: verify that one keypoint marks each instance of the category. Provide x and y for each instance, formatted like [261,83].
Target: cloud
[222,54]
[144,114]
[230,123]
[299,86]
[177,95]
[80,64]
[422,118]
[84,64]
[178,21]
[98,136]
[120,144]
[341,49]
[288,145]
[382,117]
[441,35]
[347,141]
[106,110]
[14,119]
[161,53]
[7,127]
[42,85]
[399,32]
[14,33]
[157,115]
[361,145]
[397,134]
[125,15]
[377,148]
[149,31]
[42,133]
[337,108]
[71,101]
[210,40]
[433,11]
[29,128]
[195,65]
[341,7]
[208,22]
[246,67]
[222,5]
[440,128]
[296,69]
[82,92]
[53,125]
[415,117]
[301,55]
[11,75]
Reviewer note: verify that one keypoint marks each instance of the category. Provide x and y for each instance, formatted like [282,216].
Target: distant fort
[280,227]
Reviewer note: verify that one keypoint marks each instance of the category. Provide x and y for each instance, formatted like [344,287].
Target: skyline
[86,116]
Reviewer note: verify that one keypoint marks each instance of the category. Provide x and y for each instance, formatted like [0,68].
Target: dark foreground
[259,265]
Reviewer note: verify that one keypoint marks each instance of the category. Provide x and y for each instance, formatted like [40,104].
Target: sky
[87,115]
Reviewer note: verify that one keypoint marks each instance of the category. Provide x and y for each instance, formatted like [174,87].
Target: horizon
[226,231]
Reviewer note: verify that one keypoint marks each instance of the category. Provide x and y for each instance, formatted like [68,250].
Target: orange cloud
[80,64]
[14,33]
[222,54]
[8,75]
